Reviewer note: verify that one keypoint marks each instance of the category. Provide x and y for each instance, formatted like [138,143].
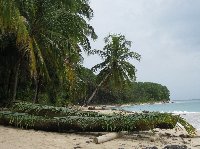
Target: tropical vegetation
[41,45]
[42,41]
[41,48]
[116,70]
[63,119]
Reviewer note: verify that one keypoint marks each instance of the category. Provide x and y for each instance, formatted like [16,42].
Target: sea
[188,109]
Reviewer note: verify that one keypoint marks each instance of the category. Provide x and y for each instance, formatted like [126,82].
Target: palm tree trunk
[95,91]
[37,86]
[17,74]
[16,81]
[8,84]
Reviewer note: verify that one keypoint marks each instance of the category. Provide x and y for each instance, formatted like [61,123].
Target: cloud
[165,33]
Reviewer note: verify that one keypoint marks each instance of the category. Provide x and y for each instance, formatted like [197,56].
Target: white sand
[13,138]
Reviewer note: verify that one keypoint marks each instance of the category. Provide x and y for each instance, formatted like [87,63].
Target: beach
[14,138]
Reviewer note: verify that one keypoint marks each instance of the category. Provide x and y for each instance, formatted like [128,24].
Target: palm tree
[47,31]
[115,68]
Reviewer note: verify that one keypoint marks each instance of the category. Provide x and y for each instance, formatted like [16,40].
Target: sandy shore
[13,138]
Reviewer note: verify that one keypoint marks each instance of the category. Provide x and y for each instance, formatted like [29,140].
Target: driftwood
[108,137]
[97,108]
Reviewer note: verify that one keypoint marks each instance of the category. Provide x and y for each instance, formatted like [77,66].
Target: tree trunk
[37,88]
[17,72]
[8,84]
[108,137]
[16,81]
[95,91]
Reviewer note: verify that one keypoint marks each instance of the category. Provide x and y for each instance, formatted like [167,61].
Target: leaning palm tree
[115,69]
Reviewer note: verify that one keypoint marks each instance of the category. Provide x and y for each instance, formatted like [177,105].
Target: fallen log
[97,108]
[107,137]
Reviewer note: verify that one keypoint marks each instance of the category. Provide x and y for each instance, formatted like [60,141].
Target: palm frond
[116,54]
[99,66]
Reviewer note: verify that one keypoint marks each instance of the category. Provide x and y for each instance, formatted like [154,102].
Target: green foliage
[188,127]
[49,111]
[63,119]
[48,36]
[115,70]
[115,55]
[146,92]
[136,92]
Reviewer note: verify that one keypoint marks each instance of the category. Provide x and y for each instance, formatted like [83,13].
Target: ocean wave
[178,112]
[185,101]
[184,112]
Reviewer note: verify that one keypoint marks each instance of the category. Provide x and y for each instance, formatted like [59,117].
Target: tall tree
[115,68]
[47,31]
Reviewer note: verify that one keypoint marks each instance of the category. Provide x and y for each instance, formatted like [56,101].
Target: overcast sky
[165,32]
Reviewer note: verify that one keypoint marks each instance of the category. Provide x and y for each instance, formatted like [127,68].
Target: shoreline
[130,104]
[194,120]
[22,139]
[192,117]
[145,103]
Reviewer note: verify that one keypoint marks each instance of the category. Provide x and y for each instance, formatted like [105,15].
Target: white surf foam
[193,118]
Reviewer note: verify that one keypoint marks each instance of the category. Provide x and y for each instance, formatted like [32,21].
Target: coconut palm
[47,30]
[115,68]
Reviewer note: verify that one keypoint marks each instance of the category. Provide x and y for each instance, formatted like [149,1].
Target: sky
[165,32]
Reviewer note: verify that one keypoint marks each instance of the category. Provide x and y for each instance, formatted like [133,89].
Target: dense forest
[41,47]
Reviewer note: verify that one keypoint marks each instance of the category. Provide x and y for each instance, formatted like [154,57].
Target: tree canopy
[115,68]
[50,33]
[41,45]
